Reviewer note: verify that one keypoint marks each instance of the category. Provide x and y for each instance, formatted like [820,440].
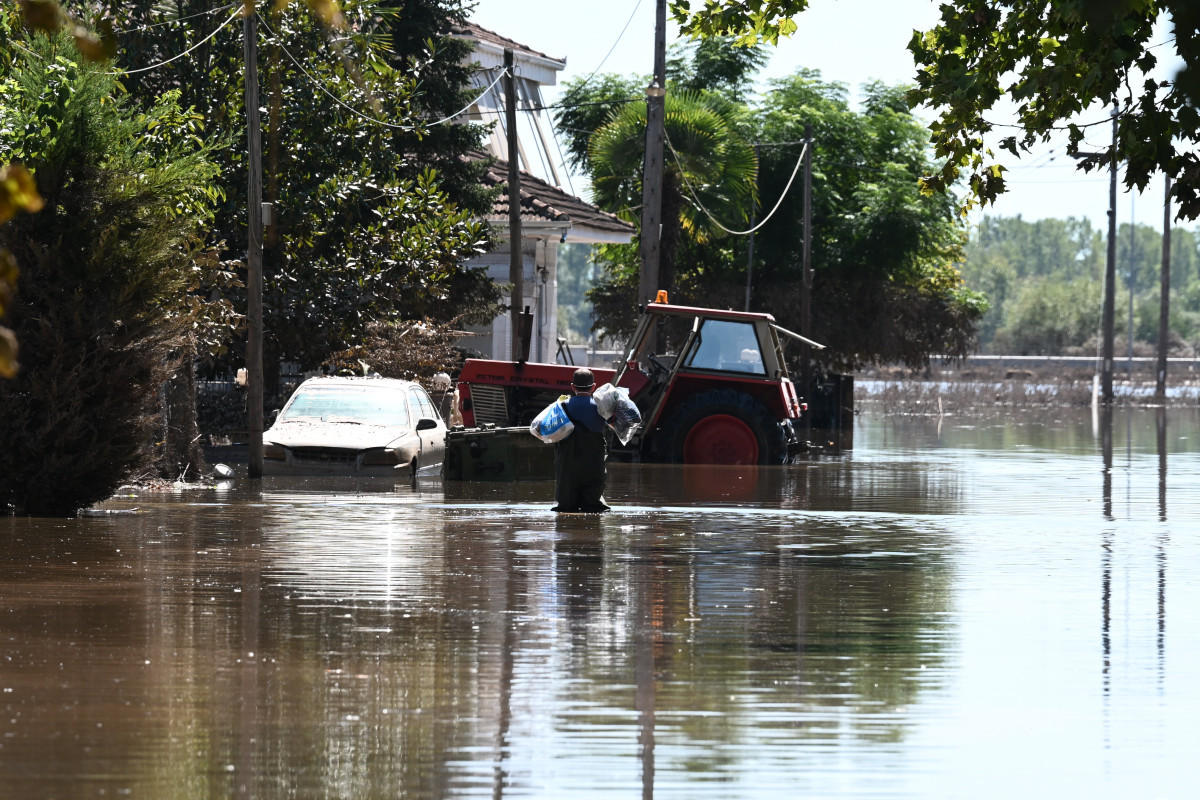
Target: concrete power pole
[806,276]
[1110,282]
[254,281]
[1164,308]
[516,269]
[652,169]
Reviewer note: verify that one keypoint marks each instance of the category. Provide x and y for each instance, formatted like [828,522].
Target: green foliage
[364,229]
[576,274]
[104,266]
[1031,271]
[749,21]
[1050,315]
[715,65]
[1053,59]
[708,179]
[885,256]
[587,105]
[1056,60]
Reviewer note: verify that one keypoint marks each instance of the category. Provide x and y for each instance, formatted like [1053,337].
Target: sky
[849,41]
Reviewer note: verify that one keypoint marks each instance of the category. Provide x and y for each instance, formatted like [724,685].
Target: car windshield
[366,405]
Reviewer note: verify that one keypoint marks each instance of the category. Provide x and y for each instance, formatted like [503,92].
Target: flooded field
[974,608]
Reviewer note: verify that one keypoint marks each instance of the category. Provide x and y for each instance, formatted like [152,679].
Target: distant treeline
[1044,281]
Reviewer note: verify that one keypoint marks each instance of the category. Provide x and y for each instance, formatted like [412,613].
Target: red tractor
[712,387]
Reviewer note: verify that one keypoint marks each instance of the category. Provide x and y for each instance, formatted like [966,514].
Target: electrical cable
[320,85]
[692,192]
[237,10]
[467,108]
[150,25]
[620,36]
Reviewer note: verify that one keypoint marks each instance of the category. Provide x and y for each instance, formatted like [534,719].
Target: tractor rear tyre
[722,426]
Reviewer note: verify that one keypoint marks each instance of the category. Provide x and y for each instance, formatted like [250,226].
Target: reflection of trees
[752,639]
[837,485]
[308,646]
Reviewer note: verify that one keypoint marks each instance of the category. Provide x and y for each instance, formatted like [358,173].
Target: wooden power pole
[516,269]
[652,168]
[806,276]
[254,283]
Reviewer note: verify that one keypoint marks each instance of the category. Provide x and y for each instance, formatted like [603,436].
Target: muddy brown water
[955,608]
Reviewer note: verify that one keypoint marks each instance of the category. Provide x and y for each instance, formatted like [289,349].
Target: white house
[550,215]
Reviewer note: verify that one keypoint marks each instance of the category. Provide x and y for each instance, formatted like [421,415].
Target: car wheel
[722,426]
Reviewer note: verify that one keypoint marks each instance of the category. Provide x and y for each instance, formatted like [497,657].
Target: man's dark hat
[583,379]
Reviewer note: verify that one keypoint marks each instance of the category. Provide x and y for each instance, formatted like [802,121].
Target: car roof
[357,381]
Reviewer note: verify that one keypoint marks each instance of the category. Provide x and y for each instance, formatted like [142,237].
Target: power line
[328,93]
[620,36]
[205,40]
[715,221]
[150,25]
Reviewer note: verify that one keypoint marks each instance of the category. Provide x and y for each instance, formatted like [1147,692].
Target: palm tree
[709,172]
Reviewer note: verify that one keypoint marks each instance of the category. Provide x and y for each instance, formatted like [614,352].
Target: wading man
[579,459]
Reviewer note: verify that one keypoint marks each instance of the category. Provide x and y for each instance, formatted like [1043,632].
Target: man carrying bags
[579,471]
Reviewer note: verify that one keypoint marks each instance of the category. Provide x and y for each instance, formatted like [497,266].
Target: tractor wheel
[722,426]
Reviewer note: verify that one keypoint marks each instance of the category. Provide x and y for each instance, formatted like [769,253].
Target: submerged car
[356,426]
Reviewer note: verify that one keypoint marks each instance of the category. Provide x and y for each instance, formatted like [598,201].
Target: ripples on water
[952,609]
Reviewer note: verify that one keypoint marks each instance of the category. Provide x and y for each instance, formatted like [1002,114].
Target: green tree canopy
[104,266]
[373,206]
[886,285]
[1054,60]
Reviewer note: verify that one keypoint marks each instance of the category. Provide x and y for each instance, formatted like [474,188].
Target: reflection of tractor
[716,391]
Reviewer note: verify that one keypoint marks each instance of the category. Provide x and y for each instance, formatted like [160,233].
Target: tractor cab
[712,386]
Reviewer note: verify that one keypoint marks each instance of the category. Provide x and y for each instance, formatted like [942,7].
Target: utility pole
[1164,308]
[1110,267]
[806,282]
[750,243]
[1132,270]
[254,282]
[652,168]
[516,270]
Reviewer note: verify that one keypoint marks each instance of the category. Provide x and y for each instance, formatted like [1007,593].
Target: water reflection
[892,621]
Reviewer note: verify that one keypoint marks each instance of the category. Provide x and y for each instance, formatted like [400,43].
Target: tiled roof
[472,31]
[541,202]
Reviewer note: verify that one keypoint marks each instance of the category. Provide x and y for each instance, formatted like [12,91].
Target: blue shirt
[581,408]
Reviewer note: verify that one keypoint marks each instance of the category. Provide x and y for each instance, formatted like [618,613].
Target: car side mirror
[426,424]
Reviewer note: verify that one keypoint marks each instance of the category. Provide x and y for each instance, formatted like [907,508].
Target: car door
[433,440]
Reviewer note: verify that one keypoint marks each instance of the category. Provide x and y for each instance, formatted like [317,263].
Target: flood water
[956,608]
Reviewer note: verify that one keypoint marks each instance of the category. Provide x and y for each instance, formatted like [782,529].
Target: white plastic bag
[606,399]
[552,424]
[613,403]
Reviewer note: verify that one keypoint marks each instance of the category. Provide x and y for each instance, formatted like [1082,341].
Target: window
[422,405]
[728,345]
[332,403]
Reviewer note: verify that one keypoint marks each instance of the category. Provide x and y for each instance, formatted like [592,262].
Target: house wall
[539,260]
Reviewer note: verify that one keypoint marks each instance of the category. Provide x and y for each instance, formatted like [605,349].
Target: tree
[1053,59]
[885,256]
[708,172]
[364,229]
[1031,271]
[17,193]
[104,265]
[747,21]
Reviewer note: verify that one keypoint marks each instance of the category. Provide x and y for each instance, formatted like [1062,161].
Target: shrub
[103,268]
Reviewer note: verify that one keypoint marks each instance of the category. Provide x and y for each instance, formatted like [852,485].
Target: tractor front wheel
[722,426]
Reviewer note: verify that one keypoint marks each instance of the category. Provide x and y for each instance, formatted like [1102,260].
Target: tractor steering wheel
[657,368]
